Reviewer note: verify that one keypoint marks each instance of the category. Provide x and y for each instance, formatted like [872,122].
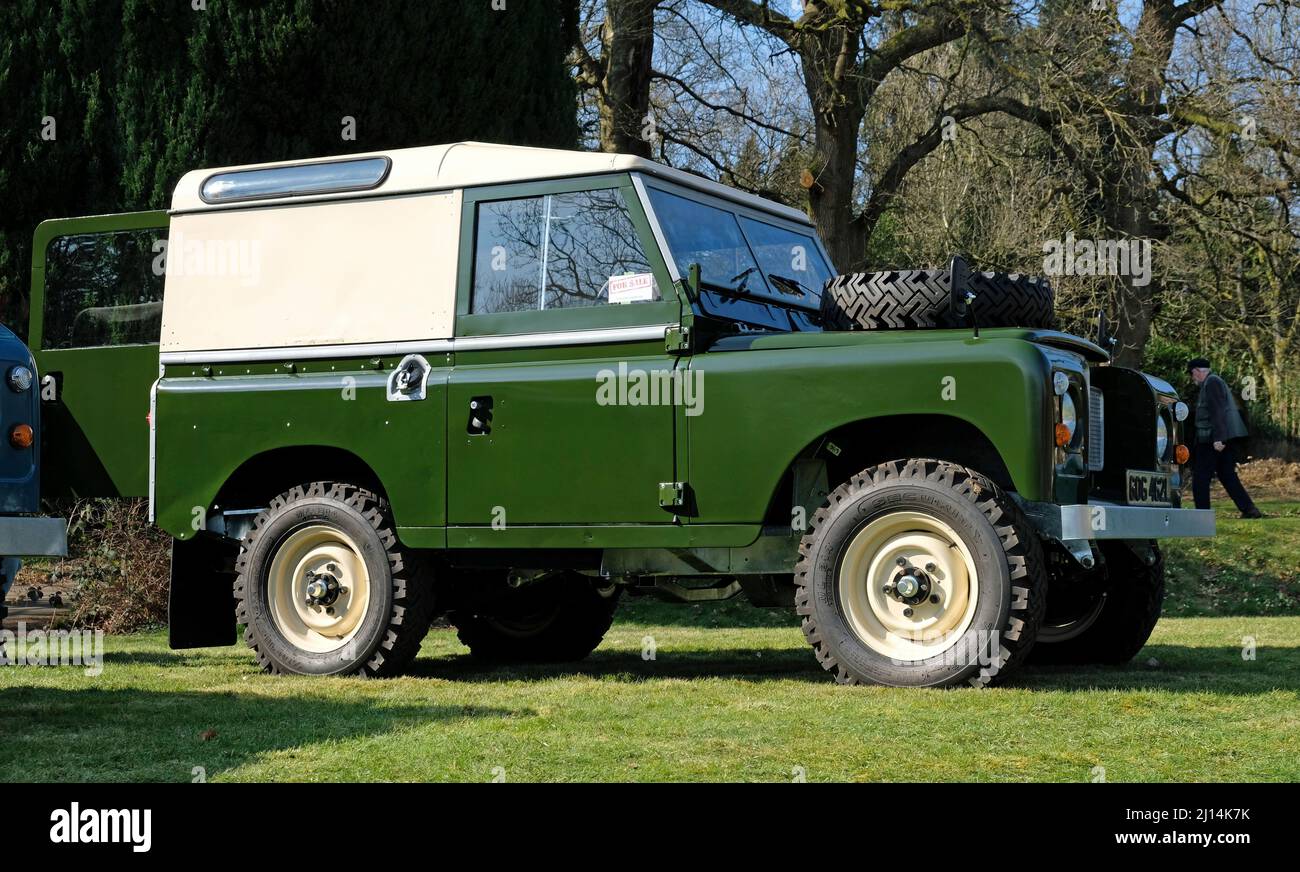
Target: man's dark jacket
[1217,416]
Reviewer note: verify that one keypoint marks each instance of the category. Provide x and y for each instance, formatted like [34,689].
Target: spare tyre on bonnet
[921,299]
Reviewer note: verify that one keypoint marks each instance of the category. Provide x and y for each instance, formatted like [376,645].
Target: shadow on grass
[1179,669]
[1176,668]
[750,664]
[755,664]
[194,658]
[55,734]
[734,613]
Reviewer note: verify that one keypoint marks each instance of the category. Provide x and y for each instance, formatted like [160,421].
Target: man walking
[1217,422]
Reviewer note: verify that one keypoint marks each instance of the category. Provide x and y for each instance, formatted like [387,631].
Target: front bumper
[33,537]
[1100,520]
[27,537]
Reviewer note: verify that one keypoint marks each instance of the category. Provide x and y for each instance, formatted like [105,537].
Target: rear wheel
[559,618]
[1105,615]
[920,573]
[324,588]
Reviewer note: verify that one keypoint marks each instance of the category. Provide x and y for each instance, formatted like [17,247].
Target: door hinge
[678,339]
[672,494]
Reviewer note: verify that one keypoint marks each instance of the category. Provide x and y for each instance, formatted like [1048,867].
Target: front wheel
[920,573]
[324,588]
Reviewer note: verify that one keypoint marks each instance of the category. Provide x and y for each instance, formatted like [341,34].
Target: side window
[594,255]
[103,289]
[508,255]
[559,251]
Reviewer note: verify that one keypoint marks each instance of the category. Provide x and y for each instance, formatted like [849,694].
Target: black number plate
[1148,489]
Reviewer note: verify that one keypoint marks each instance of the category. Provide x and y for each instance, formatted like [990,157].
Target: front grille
[1096,430]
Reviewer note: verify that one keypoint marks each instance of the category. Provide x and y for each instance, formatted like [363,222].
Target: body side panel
[209,426]
[763,407]
[374,270]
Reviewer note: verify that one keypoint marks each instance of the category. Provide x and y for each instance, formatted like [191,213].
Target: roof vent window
[330,177]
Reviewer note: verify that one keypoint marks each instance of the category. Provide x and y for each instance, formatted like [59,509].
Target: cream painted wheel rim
[306,552]
[876,617]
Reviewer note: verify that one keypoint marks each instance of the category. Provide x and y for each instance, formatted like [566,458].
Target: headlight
[1180,411]
[1060,383]
[1162,436]
[20,378]
[1069,415]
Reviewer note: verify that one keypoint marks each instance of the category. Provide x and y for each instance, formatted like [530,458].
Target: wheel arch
[869,441]
[200,609]
[252,482]
[275,470]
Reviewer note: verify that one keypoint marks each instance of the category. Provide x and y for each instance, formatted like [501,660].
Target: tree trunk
[836,96]
[830,199]
[1127,202]
[627,50]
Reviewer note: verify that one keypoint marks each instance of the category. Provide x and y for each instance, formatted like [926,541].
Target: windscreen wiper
[792,287]
[730,295]
[743,278]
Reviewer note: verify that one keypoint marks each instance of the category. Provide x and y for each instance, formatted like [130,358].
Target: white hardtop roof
[468,164]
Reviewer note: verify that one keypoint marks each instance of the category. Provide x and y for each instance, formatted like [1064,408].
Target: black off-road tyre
[402,595]
[920,299]
[555,620]
[1004,549]
[1130,595]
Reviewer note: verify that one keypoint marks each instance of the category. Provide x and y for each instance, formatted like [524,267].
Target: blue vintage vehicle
[21,533]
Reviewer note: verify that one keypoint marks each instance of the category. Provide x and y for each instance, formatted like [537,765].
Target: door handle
[480,416]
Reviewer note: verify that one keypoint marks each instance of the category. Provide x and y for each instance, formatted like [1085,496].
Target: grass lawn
[1249,568]
[732,694]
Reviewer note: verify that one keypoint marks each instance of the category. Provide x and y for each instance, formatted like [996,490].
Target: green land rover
[510,385]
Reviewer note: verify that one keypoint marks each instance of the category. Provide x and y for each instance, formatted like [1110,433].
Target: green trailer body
[97,427]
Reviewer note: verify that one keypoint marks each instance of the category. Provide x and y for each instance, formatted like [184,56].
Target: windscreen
[752,271]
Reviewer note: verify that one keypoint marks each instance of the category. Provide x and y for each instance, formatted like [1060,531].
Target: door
[561,397]
[96,315]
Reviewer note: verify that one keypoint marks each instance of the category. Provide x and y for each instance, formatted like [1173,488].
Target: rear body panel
[208,426]
[20,470]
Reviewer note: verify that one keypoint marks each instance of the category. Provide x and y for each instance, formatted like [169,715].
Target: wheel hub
[323,588]
[911,585]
